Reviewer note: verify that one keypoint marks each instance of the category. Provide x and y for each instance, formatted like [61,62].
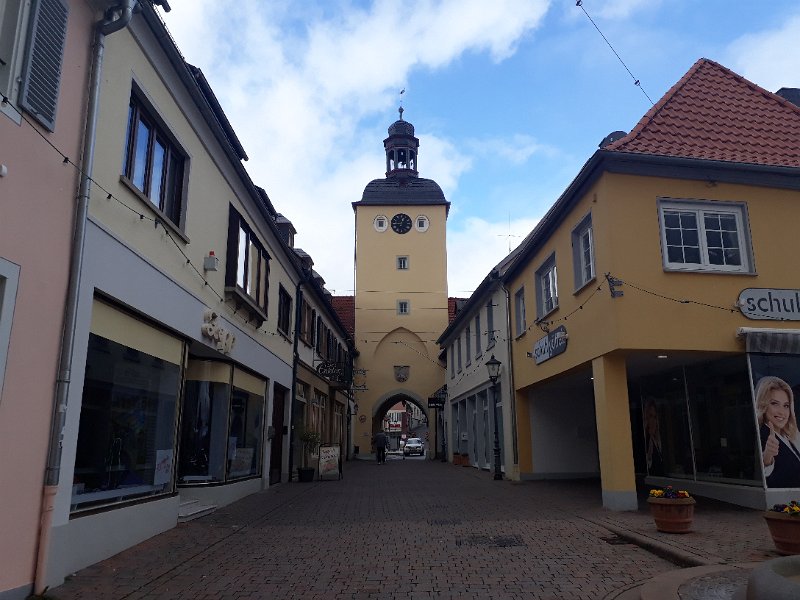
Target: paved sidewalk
[416,529]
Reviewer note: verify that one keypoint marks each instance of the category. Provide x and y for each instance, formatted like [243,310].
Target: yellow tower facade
[400,288]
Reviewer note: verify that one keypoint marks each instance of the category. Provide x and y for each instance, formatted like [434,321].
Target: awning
[770,341]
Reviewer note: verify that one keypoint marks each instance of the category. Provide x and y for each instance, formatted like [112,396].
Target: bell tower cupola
[401,149]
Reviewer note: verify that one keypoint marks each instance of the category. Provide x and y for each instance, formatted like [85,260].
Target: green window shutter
[41,74]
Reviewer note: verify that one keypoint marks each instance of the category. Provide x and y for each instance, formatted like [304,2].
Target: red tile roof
[714,114]
[345,307]
[453,306]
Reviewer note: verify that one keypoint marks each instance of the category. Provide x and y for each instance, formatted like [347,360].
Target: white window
[519,311]
[32,38]
[583,252]
[490,337]
[9,275]
[381,223]
[546,287]
[421,223]
[467,346]
[403,307]
[477,335]
[402,263]
[704,236]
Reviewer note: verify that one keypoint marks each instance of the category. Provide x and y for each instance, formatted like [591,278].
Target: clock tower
[400,289]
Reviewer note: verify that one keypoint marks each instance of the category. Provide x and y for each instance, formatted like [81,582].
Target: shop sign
[770,304]
[331,370]
[553,344]
[359,383]
[222,338]
[434,402]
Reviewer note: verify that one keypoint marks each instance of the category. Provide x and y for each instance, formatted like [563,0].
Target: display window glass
[204,422]
[244,434]
[126,438]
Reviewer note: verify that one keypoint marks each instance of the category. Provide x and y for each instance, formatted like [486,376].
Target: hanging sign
[553,344]
[770,304]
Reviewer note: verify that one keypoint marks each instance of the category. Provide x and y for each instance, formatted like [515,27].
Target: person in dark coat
[381,441]
[780,442]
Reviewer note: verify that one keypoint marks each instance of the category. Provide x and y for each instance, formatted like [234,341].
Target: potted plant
[783,521]
[310,440]
[672,510]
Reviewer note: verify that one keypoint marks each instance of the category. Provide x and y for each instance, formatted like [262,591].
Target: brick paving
[411,529]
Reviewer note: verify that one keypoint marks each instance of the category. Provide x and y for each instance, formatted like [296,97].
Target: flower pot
[672,515]
[305,474]
[785,531]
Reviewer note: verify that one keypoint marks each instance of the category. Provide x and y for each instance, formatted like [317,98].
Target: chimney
[790,94]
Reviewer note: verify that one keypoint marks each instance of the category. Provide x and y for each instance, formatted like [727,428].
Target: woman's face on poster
[778,409]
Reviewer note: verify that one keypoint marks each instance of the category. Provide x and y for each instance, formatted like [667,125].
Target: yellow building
[661,288]
[400,287]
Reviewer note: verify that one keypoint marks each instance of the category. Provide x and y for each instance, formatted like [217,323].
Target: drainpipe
[116,18]
[512,391]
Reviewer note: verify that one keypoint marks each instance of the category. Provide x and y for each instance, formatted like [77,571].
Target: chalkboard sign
[330,464]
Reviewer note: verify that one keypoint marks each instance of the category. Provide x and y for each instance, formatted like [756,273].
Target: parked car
[413,446]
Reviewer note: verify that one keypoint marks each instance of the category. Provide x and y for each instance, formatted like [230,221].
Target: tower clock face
[401,223]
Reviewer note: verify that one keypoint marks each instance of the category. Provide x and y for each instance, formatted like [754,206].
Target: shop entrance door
[276,452]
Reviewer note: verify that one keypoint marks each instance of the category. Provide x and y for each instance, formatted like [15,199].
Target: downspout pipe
[116,19]
[512,393]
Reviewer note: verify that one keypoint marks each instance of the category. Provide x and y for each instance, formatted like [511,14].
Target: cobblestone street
[409,529]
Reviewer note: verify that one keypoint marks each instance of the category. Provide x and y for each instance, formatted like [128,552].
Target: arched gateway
[401,288]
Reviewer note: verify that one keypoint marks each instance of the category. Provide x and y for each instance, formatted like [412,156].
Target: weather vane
[403,91]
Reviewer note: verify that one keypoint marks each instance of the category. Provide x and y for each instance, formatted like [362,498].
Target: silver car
[413,446]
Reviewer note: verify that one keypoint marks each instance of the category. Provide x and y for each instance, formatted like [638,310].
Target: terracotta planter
[672,515]
[785,531]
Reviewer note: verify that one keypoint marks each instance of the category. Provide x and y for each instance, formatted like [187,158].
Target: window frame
[520,323]
[284,320]
[237,226]
[170,205]
[403,307]
[547,273]
[579,264]
[491,338]
[478,350]
[467,346]
[9,282]
[402,263]
[703,208]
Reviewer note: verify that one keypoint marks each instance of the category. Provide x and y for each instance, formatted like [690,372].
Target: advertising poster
[776,399]
[329,462]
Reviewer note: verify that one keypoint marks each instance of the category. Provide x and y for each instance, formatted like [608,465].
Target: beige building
[401,287]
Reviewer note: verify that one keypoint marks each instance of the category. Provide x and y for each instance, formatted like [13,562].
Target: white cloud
[769,58]
[297,80]
[474,250]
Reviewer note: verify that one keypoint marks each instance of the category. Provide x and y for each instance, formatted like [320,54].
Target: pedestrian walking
[381,441]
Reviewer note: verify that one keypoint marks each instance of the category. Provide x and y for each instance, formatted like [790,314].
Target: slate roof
[403,190]
[714,114]
[345,307]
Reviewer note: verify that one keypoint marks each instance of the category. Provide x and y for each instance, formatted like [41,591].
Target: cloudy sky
[508,97]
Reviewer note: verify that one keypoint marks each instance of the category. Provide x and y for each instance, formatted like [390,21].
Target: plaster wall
[37,195]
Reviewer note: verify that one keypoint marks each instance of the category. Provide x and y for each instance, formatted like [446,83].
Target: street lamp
[493,365]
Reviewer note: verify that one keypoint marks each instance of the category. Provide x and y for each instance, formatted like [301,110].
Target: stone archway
[402,423]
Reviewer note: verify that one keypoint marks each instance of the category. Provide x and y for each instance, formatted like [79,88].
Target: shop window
[519,312]
[704,236]
[547,288]
[204,422]
[244,435]
[126,437]
[9,276]
[583,252]
[32,39]
[284,311]
[154,164]
[247,269]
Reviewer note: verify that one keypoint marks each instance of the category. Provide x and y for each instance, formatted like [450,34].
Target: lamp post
[493,365]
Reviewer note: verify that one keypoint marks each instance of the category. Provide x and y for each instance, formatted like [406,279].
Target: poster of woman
[776,413]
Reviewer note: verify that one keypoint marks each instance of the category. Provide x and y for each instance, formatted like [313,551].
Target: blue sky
[508,98]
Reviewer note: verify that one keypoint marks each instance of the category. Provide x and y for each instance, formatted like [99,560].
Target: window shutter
[41,75]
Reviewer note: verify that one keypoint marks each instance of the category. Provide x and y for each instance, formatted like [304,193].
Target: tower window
[403,307]
[381,223]
[402,263]
[422,223]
